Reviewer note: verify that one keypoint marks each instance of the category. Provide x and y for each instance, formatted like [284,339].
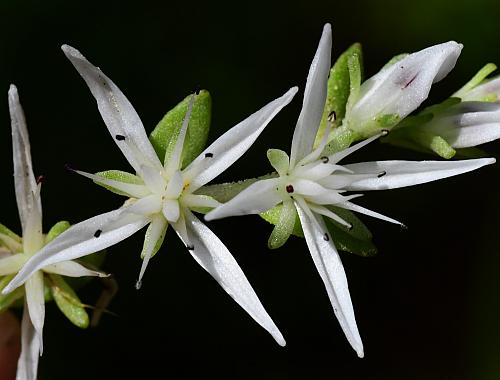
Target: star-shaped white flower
[162,194]
[308,183]
[20,250]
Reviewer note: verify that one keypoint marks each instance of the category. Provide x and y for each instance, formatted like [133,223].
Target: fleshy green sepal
[68,302]
[56,230]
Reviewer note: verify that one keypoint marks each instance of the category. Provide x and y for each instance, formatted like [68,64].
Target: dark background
[427,306]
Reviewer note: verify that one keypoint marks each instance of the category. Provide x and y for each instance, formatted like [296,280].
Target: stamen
[120,137]
[40,179]
[190,247]
[97,233]
[326,237]
[138,284]
[69,167]
[381,174]
[209,155]
[325,159]
[289,189]
[332,117]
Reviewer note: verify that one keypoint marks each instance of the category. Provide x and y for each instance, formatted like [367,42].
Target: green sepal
[394,60]
[10,239]
[158,243]
[284,226]
[273,216]
[476,80]
[120,176]
[357,240]
[341,138]
[279,160]
[8,300]
[165,134]
[68,302]
[339,88]
[56,230]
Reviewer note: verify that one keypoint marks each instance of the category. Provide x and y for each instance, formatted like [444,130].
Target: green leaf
[56,230]
[10,240]
[120,176]
[273,216]
[68,302]
[164,136]
[339,88]
[357,240]
[476,80]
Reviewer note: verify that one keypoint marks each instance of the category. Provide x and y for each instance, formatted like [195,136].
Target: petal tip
[71,52]
[12,90]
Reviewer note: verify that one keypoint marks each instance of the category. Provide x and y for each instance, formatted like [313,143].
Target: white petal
[465,137]
[409,173]
[402,87]
[82,239]
[314,99]
[171,210]
[119,115]
[34,292]
[315,170]
[215,258]
[338,181]
[175,185]
[234,143]
[338,156]
[27,365]
[308,188]
[72,269]
[256,198]
[12,264]
[318,209]
[332,273]
[153,179]
[131,189]
[484,90]
[27,193]
[149,205]
[157,229]
[363,210]
[199,201]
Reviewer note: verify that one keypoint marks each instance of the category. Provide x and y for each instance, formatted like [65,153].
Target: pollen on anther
[325,159]
[381,174]
[289,189]
[209,155]
[120,137]
[97,233]
[326,237]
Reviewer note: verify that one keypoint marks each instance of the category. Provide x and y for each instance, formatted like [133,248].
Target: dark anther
[69,167]
[190,247]
[332,116]
[384,132]
[40,179]
[326,237]
[289,189]
[97,233]
[381,174]
[120,137]
[197,90]
[325,159]
[401,67]
[209,155]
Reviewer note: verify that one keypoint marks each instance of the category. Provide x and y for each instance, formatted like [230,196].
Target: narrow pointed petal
[156,232]
[11,264]
[409,173]
[174,160]
[216,259]
[149,205]
[362,210]
[314,99]
[36,303]
[27,194]
[336,157]
[195,201]
[332,273]
[318,209]
[73,269]
[153,179]
[84,238]
[130,189]
[400,88]
[27,365]
[175,185]
[119,115]
[256,198]
[224,151]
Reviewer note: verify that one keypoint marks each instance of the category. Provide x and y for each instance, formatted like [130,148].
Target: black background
[427,306]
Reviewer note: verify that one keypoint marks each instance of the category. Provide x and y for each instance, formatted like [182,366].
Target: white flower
[466,124]
[162,194]
[399,88]
[309,183]
[21,250]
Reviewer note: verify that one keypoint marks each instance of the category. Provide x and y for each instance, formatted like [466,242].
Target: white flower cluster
[311,182]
